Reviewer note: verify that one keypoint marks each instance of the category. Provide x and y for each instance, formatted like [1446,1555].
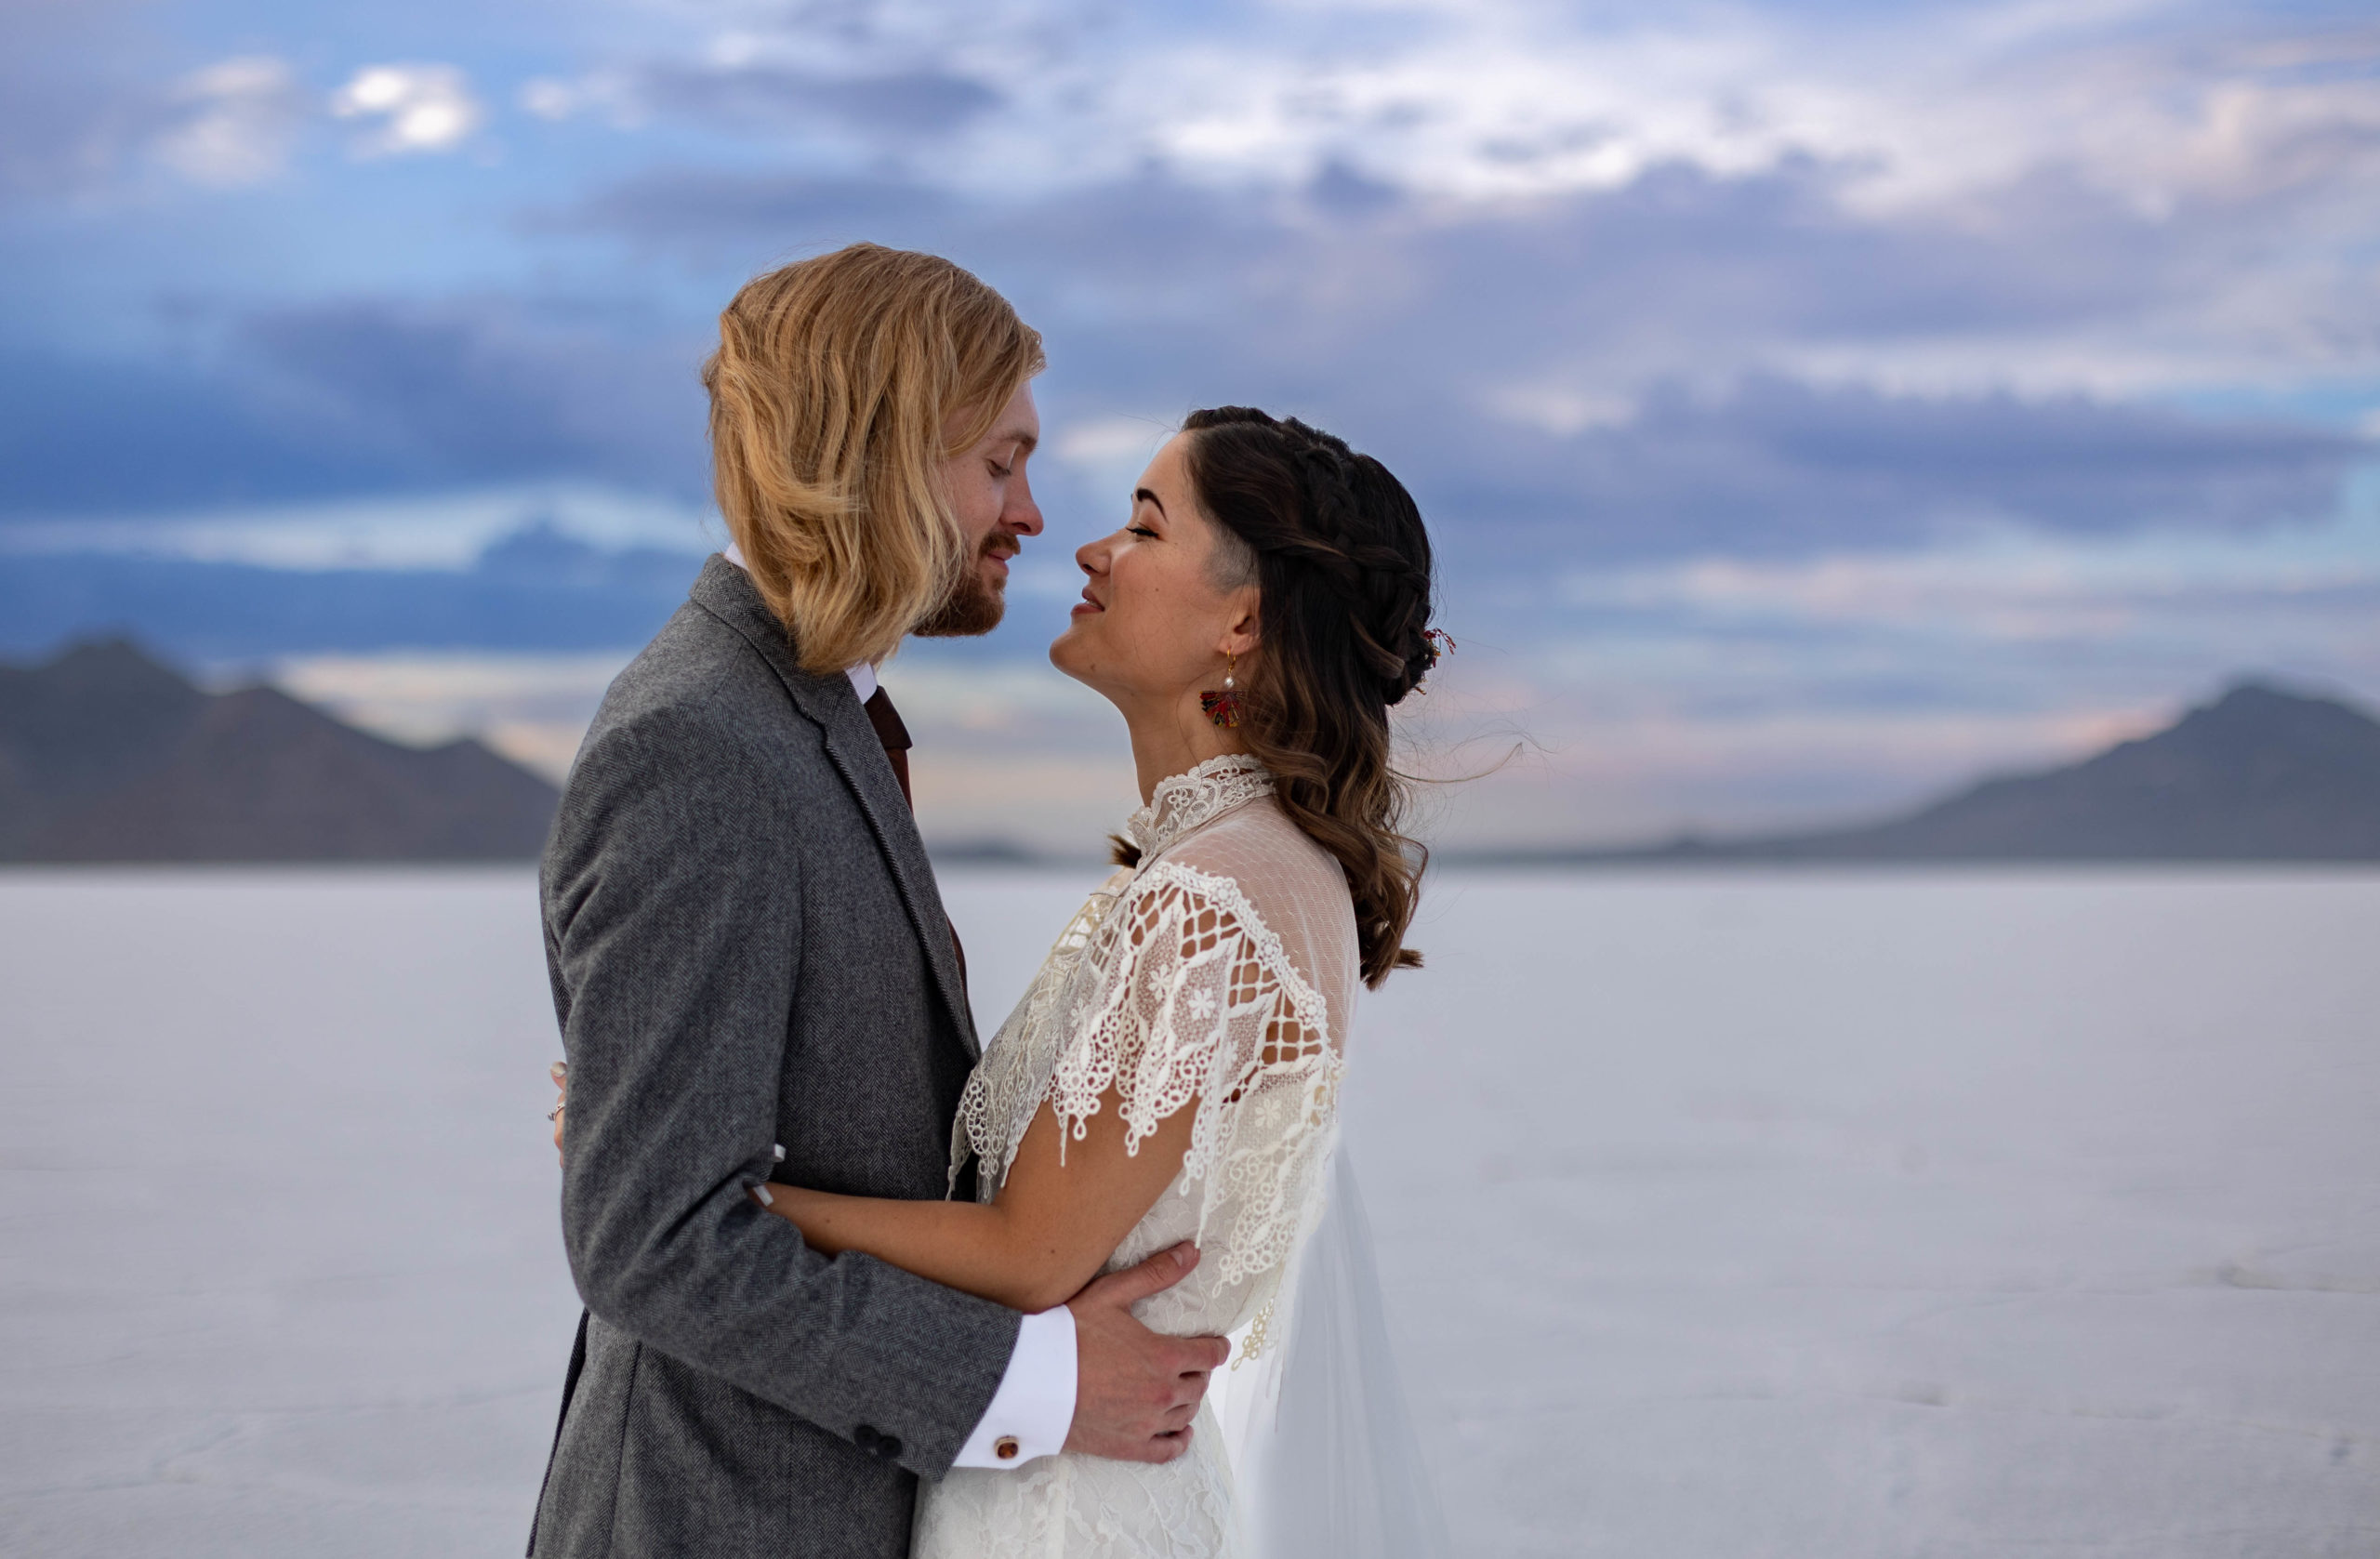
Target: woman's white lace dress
[1220,968]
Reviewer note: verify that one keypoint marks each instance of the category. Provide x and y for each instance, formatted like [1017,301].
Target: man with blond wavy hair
[757,981]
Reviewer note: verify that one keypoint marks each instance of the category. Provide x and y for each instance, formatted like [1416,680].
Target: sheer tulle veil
[1319,1428]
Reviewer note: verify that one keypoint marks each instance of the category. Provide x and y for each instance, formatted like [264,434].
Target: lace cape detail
[1183,803]
[1168,986]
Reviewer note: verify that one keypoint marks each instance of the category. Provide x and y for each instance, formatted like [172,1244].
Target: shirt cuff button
[1006,1448]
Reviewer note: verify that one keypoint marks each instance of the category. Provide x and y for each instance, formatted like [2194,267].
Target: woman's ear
[1245,630]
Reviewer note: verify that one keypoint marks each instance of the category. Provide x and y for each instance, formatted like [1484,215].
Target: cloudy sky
[1816,405]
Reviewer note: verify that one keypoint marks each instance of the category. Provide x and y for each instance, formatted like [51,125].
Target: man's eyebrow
[1143,495]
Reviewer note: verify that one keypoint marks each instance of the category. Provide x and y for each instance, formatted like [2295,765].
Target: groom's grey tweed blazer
[747,950]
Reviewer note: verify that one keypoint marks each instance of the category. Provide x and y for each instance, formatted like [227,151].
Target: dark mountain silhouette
[105,755]
[2260,774]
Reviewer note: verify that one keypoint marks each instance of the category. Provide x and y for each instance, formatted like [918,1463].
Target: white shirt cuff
[1034,1410]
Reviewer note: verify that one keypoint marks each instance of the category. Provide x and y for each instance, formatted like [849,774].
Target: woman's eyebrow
[1143,495]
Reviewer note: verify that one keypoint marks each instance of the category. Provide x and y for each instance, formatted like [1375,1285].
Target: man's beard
[972,607]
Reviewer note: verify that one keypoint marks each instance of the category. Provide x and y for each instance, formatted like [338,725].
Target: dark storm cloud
[491,389]
[212,610]
[1427,339]
[1454,348]
[355,397]
[895,106]
[78,436]
[1773,467]
[716,216]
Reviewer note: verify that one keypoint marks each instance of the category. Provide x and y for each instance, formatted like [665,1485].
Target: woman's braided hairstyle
[1342,563]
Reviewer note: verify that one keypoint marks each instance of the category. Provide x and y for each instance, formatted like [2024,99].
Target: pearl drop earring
[1224,707]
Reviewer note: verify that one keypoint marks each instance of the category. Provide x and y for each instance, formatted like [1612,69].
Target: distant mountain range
[2260,774]
[105,755]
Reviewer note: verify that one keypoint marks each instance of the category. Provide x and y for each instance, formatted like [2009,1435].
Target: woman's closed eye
[1140,530]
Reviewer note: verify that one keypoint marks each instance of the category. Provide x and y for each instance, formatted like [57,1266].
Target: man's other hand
[1136,1389]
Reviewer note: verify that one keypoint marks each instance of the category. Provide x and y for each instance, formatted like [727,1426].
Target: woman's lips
[1087,604]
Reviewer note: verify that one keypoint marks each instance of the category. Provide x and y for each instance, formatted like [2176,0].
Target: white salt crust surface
[1723,1215]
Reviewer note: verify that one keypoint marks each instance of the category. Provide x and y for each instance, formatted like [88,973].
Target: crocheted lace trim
[1166,986]
[1189,801]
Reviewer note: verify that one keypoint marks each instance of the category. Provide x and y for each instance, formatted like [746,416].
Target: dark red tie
[895,738]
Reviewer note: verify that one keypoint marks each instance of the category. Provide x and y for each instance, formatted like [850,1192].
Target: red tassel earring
[1224,707]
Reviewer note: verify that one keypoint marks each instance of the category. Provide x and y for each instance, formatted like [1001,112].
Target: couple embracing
[857,1284]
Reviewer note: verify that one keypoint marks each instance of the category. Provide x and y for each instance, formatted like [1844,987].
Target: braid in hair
[1343,567]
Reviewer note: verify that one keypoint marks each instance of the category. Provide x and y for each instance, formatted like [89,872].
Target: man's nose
[1023,515]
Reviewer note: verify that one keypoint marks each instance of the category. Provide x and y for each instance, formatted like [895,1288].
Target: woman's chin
[1072,656]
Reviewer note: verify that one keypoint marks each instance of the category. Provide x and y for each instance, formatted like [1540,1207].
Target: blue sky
[1815,405]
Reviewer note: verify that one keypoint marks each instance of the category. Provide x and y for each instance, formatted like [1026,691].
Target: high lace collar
[1189,801]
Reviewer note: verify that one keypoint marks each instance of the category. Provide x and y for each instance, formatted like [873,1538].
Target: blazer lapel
[830,702]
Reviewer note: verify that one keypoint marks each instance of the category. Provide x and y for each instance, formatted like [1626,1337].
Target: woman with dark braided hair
[1173,1071]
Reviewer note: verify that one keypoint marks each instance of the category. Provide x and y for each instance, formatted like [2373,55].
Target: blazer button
[867,1437]
[888,1448]
[1006,1448]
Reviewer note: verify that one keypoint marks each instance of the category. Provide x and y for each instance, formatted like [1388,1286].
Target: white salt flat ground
[1726,1216]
